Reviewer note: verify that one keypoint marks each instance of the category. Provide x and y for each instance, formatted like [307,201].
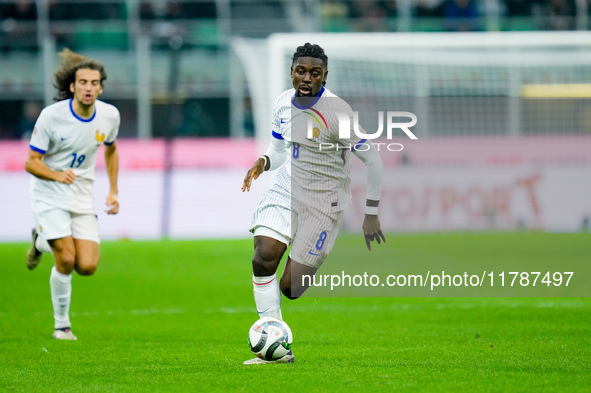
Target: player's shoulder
[283,101]
[55,110]
[334,103]
[107,110]
[285,97]
[57,107]
[327,93]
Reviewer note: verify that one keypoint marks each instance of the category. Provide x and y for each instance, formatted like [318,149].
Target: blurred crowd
[557,13]
[83,24]
[18,18]
[26,10]
[457,15]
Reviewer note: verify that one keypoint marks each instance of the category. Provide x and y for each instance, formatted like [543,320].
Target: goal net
[517,83]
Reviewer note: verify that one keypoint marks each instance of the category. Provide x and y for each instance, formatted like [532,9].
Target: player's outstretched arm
[273,158]
[373,164]
[253,173]
[35,166]
[112,163]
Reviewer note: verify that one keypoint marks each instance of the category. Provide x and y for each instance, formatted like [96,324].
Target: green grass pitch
[174,315]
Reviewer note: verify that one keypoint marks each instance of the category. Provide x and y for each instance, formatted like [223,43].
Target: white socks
[61,292]
[41,244]
[267,296]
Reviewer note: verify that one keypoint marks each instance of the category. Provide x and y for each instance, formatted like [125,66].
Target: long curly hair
[65,75]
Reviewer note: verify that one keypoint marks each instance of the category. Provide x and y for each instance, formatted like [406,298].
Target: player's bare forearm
[372,230]
[112,164]
[37,168]
[253,173]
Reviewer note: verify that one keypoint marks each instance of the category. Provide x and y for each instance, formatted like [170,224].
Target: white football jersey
[319,160]
[68,141]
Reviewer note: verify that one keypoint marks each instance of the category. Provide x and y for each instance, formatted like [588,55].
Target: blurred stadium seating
[186,70]
[110,30]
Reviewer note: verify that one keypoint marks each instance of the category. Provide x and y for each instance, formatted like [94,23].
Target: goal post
[500,73]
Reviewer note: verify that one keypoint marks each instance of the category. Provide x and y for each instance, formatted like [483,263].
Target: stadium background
[194,82]
[502,163]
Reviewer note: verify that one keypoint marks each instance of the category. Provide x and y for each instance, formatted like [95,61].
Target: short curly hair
[310,50]
[65,75]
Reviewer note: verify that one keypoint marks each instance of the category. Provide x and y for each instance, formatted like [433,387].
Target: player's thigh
[315,236]
[87,256]
[274,212]
[86,238]
[55,225]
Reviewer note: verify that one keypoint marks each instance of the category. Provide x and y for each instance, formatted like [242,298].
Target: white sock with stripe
[267,296]
[61,293]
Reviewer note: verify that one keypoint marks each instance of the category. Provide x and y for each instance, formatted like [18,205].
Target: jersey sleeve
[374,169]
[276,119]
[276,150]
[41,137]
[115,128]
[276,153]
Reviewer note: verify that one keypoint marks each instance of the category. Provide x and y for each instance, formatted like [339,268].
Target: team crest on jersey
[315,123]
[99,137]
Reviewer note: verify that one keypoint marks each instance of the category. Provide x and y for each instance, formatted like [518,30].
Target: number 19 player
[62,158]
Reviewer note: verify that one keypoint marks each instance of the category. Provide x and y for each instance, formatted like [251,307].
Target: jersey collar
[312,103]
[78,117]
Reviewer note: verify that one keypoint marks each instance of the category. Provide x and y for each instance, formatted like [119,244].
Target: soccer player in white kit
[305,205]
[62,158]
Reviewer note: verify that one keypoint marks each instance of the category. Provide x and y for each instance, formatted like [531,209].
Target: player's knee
[264,262]
[65,261]
[86,270]
[86,267]
[287,290]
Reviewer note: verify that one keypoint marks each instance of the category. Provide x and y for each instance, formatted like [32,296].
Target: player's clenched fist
[67,177]
[112,203]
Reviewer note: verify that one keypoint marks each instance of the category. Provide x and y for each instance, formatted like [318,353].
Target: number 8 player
[62,158]
[304,208]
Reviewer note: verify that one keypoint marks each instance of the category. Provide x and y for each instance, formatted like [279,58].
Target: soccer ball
[270,338]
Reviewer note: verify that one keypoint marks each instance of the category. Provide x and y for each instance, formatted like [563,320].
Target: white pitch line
[149,311]
[331,308]
[404,307]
